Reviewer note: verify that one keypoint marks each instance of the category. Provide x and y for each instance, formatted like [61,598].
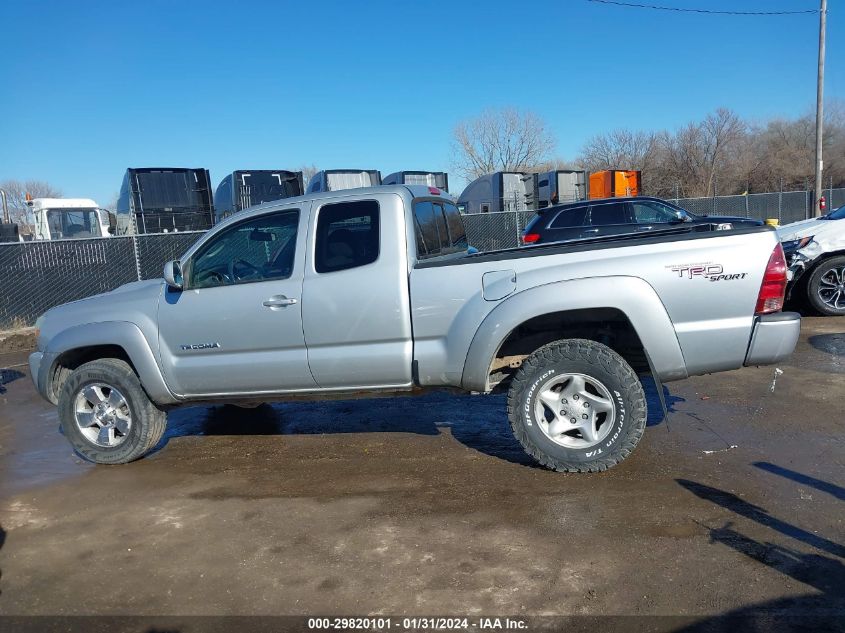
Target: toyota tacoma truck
[369,291]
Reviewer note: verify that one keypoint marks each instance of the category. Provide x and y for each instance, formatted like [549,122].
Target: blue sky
[93,87]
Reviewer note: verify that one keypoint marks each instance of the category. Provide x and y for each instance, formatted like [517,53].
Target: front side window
[651,212]
[570,218]
[260,249]
[607,214]
[347,236]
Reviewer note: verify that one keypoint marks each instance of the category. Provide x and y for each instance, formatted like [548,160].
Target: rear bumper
[774,338]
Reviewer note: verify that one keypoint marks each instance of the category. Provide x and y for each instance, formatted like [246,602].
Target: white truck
[69,218]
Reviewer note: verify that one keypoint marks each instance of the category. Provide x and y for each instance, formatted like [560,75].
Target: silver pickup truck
[353,293]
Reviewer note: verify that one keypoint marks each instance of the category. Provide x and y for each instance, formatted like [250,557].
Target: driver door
[236,327]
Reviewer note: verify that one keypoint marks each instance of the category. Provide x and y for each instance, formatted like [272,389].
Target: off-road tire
[815,281]
[148,421]
[593,360]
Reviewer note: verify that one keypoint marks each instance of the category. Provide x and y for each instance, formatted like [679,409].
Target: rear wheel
[577,406]
[106,414]
[826,287]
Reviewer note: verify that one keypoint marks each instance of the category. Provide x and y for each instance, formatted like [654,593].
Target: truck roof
[38,204]
[416,191]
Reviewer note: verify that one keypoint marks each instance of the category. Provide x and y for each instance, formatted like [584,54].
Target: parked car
[374,290]
[616,216]
[815,252]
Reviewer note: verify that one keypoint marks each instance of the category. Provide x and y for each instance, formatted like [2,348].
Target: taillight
[773,288]
[530,238]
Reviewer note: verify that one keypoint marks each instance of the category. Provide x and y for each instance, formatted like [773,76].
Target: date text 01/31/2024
[416,624]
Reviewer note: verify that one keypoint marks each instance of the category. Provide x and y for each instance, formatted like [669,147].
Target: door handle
[279,301]
[591,230]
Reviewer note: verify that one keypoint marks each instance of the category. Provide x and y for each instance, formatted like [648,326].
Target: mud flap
[658,385]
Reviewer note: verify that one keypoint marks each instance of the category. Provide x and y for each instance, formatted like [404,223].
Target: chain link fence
[36,276]
[786,206]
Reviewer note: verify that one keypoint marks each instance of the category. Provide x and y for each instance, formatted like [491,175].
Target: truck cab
[69,218]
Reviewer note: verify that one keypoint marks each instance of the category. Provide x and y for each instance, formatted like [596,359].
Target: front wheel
[576,406]
[826,287]
[106,414]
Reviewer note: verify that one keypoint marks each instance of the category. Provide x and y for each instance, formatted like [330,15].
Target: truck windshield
[73,223]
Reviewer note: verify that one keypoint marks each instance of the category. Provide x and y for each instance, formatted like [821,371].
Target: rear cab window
[347,236]
[438,228]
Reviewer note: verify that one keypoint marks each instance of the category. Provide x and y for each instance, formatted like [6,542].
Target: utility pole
[820,111]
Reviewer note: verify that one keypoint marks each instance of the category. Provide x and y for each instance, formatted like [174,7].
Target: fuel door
[498,284]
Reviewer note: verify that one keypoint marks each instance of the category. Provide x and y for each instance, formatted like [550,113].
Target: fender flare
[123,334]
[633,296]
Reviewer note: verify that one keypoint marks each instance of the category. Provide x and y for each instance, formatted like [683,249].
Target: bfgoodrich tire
[576,406]
[826,287]
[106,414]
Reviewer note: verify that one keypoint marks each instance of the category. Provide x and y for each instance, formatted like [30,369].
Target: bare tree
[307,172]
[16,191]
[500,140]
[723,154]
[619,149]
[112,205]
[699,159]
[552,165]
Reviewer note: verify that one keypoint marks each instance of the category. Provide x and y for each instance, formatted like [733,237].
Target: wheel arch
[623,311]
[78,345]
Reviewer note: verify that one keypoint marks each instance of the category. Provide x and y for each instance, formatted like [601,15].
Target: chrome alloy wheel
[832,288]
[102,415]
[574,410]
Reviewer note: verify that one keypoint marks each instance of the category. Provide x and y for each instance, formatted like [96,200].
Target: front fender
[631,295]
[125,335]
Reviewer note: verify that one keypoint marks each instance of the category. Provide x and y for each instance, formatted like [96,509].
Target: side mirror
[112,223]
[173,274]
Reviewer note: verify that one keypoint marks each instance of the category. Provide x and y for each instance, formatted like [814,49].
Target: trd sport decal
[713,272]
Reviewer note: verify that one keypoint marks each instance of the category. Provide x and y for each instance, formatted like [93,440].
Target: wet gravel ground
[426,505]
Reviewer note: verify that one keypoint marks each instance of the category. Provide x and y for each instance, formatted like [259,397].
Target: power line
[709,11]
